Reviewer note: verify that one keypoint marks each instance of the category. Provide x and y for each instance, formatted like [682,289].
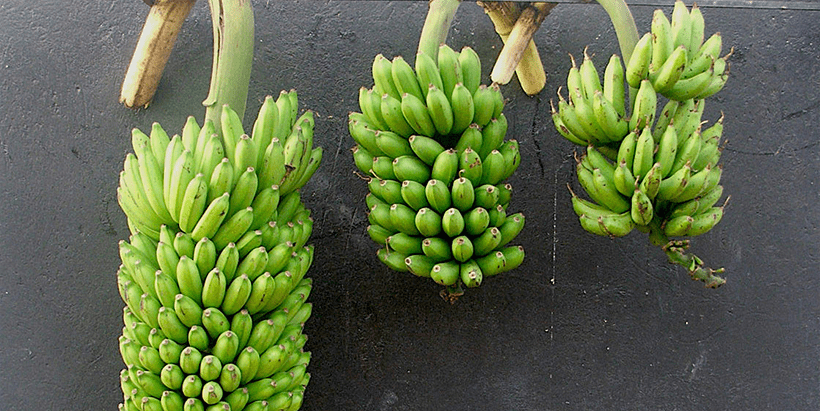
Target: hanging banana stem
[436,26]
[233,57]
[156,41]
[519,40]
[624,25]
[676,252]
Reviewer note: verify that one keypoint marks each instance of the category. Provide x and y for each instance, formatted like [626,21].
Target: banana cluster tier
[213,274]
[643,169]
[431,142]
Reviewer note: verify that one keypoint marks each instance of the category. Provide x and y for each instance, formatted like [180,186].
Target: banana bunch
[431,140]
[676,59]
[670,177]
[213,273]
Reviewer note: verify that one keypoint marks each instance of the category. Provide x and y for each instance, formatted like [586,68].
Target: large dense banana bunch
[213,274]
[669,176]
[671,60]
[431,141]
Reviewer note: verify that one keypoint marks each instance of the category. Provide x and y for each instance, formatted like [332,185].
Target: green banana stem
[676,252]
[624,25]
[436,26]
[233,57]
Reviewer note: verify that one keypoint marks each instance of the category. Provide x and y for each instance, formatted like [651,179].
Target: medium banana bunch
[673,181]
[213,274]
[676,59]
[431,139]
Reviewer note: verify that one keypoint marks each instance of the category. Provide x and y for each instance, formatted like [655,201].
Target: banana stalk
[676,252]
[436,26]
[624,25]
[153,49]
[519,55]
[233,57]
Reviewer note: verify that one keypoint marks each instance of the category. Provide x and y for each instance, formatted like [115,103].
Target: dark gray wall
[585,323]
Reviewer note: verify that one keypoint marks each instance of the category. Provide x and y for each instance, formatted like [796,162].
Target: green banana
[637,68]
[492,135]
[705,221]
[405,243]
[419,265]
[393,260]
[370,104]
[392,144]
[644,153]
[662,41]
[590,81]
[470,167]
[470,68]
[413,194]
[613,87]
[484,103]
[615,225]
[463,194]
[486,196]
[449,69]
[446,273]
[476,221]
[651,182]
[416,115]
[392,112]
[427,72]
[228,261]
[645,105]
[410,167]
[405,79]
[494,167]
[461,101]
[642,210]
[673,185]
[439,110]
[445,167]
[437,249]
[666,75]
[403,218]
[438,195]
[614,126]
[425,148]
[383,76]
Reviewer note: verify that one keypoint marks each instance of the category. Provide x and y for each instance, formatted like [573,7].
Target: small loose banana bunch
[213,274]
[432,142]
[644,169]
[669,177]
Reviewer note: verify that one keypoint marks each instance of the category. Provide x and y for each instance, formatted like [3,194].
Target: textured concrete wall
[585,323]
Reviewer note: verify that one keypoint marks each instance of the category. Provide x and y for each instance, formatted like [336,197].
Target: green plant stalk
[624,25]
[676,252]
[233,57]
[436,26]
